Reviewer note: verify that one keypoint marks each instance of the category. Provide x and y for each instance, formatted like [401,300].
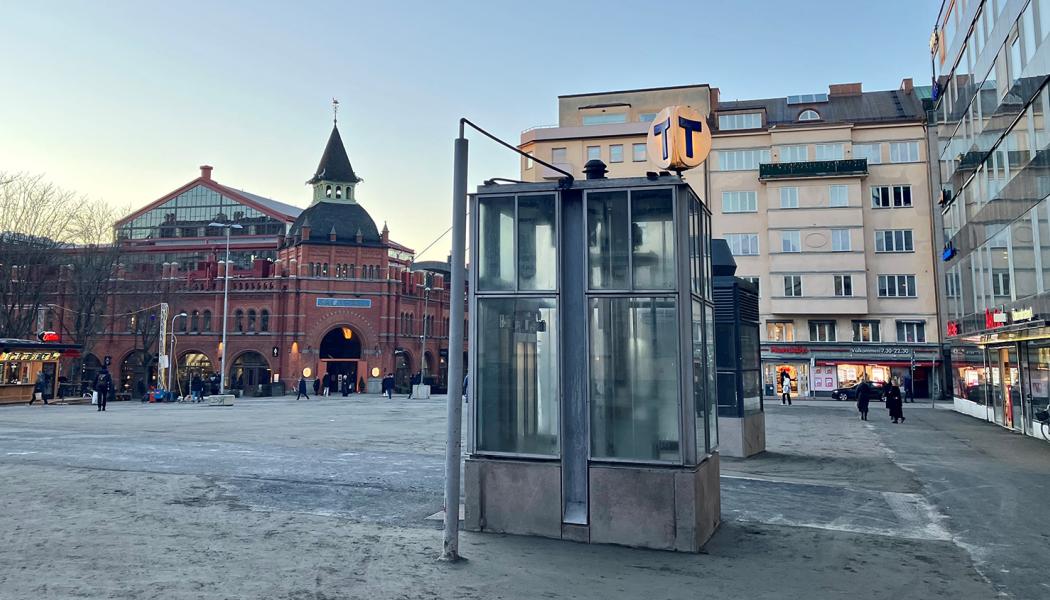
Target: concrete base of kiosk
[421,391]
[742,437]
[219,400]
[664,508]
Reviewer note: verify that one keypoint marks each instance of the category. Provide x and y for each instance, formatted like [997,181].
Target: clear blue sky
[122,100]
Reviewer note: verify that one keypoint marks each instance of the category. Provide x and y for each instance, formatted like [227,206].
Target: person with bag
[39,388]
[103,387]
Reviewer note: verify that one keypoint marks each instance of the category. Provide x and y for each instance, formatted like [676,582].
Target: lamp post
[171,352]
[423,350]
[225,304]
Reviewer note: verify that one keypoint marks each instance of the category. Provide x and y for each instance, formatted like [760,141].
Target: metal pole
[423,349]
[225,315]
[171,351]
[450,544]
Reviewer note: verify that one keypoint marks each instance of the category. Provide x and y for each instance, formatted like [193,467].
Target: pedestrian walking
[196,388]
[864,392]
[909,393]
[413,383]
[103,387]
[39,388]
[345,388]
[301,389]
[894,402]
[388,386]
[785,387]
[326,384]
[317,386]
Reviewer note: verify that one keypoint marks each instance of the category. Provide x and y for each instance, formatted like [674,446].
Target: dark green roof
[335,164]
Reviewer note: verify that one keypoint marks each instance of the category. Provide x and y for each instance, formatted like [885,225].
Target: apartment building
[825,201]
[991,65]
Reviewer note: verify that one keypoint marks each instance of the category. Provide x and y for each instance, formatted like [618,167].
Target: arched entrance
[192,364]
[340,354]
[248,370]
[89,369]
[138,373]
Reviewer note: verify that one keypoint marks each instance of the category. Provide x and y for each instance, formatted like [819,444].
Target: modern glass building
[991,65]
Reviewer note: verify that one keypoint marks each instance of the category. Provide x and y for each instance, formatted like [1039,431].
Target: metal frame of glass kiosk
[631,287]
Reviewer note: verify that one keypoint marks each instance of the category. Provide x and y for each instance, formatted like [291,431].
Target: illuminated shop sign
[29,356]
[788,349]
[1022,314]
[952,329]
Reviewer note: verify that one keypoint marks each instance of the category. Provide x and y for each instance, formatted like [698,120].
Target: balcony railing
[818,168]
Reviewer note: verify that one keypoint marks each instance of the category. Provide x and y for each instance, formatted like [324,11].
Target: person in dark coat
[388,386]
[895,403]
[909,393]
[317,386]
[301,390]
[104,387]
[196,388]
[864,393]
[40,387]
[326,384]
[345,387]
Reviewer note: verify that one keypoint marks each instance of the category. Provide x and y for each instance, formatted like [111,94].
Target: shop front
[817,369]
[27,366]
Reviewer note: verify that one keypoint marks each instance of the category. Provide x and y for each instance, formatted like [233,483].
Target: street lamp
[225,303]
[423,350]
[172,346]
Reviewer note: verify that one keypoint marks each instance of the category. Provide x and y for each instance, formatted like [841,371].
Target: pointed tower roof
[335,164]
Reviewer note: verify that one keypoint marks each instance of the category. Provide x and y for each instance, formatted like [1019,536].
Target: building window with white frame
[559,155]
[951,285]
[794,153]
[605,118]
[891,196]
[791,240]
[822,331]
[742,160]
[638,152]
[903,152]
[1000,283]
[646,117]
[740,121]
[594,152]
[809,115]
[897,286]
[871,152]
[789,197]
[838,196]
[742,244]
[894,240]
[739,202]
[793,286]
[616,153]
[912,332]
[780,331]
[840,240]
[866,331]
[844,286]
[829,151]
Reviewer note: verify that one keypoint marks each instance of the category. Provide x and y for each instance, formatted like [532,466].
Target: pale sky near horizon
[123,100]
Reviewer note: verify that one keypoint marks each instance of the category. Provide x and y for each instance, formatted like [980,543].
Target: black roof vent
[595,169]
[722,261]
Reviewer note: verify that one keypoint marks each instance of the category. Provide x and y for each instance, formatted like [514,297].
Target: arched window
[324,270]
[338,191]
[183,324]
[809,115]
[195,321]
[238,321]
[206,326]
[251,319]
[264,320]
[328,191]
[353,273]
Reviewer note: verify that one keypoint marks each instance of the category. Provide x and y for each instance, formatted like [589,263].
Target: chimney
[595,169]
[714,99]
[206,172]
[845,89]
[907,86]
[332,234]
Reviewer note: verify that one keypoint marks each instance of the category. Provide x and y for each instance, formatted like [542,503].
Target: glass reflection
[537,246]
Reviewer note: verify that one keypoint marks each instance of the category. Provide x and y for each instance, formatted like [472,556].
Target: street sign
[276,351]
[679,139]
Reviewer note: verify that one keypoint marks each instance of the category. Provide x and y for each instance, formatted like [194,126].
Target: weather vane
[335,110]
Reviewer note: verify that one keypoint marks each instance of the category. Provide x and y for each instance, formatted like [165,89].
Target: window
[951,285]
[913,332]
[740,121]
[891,196]
[630,254]
[894,240]
[338,191]
[638,152]
[789,197]
[844,286]
[264,321]
[866,331]
[742,160]
[809,115]
[604,118]
[838,195]
[896,286]
[195,320]
[238,321]
[646,117]
[183,324]
[616,153]
[512,256]
[324,270]
[328,191]
[558,155]
[251,319]
[743,244]
[594,152]
[793,286]
[790,241]
[780,331]
[528,161]
[829,151]
[872,152]
[840,241]
[901,152]
[754,281]
[206,321]
[789,154]
[1001,283]
[738,202]
[807,98]
[822,331]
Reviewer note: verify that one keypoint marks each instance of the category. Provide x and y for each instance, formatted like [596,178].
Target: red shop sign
[789,349]
[953,328]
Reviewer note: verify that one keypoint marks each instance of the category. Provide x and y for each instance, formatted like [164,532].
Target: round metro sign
[679,138]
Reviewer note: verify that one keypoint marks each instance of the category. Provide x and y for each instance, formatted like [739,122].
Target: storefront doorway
[799,373]
[1035,373]
[1006,389]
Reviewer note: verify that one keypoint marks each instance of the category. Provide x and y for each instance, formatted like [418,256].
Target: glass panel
[537,243]
[652,239]
[496,243]
[699,378]
[607,240]
[634,372]
[517,375]
[712,388]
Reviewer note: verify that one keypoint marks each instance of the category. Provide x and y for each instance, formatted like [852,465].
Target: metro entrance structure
[593,402]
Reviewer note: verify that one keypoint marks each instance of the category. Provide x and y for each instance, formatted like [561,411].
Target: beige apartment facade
[825,202]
